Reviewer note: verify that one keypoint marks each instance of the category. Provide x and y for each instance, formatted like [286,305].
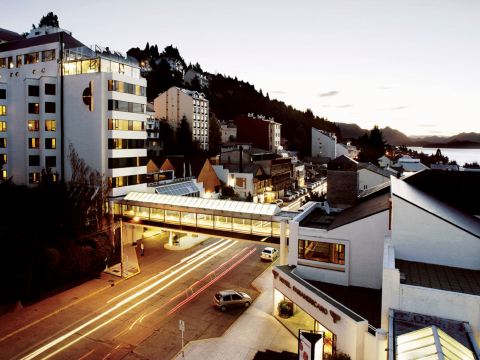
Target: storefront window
[143,212]
[321,251]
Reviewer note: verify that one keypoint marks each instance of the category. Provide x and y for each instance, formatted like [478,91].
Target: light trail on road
[205,255]
[188,258]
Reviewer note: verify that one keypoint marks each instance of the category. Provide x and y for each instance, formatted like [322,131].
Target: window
[33,90]
[49,89]
[115,163]
[3,110]
[32,58]
[3,62]
[126,144]
[3,142]
[48,55]
[118,105]
[320,251]
[131,125]
[34,160]
[3,126]
[120,86]
[3,175]
[240,182]
[50,125]
[33,143]
[50,161]
[34,177]
[3,94]
[3,159]
[11,65]
[50,143]
[33,125]
[33,108]
[49,107]
[19,60]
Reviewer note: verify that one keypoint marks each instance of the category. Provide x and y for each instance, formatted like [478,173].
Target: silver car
[231,298]
[269,254]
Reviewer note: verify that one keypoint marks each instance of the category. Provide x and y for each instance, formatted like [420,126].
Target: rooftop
[242,207]
[69,41]
[375,169]
[439,277]
[365,302]
[179,188]
[319,219]
[434,206]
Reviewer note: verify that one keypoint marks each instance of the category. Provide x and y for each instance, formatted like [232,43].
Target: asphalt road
[138,318]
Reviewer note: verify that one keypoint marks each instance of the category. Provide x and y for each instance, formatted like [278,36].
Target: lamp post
[121,248]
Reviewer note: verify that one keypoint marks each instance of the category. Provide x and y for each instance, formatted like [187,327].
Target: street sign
[181,325]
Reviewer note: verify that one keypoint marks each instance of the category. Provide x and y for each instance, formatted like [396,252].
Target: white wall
[323,145]
[368,179]
[423,237]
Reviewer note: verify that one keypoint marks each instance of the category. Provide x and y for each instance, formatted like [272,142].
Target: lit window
[3,142]
[32,58]
[33,143]
[34,177]
[3,126]
[19,60]
[3,159]
[50,143]
[3,110]
[50,125]
[33,125]
[3,175]
[321,251]
[33,108]
[3,62]
[48,55]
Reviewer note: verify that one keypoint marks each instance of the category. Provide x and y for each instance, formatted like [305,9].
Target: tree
[49,20]
[214,135]
[373,147]
[184,138]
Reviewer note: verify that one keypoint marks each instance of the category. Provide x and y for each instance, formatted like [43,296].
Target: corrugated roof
[436,207]
[205,204]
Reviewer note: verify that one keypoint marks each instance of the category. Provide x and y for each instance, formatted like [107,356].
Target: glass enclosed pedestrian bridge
[214,214]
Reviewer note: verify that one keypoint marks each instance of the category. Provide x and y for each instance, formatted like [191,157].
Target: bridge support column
[283,243]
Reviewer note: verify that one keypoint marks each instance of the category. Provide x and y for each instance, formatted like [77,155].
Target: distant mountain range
[395,137]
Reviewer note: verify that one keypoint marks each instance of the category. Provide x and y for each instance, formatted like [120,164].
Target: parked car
[279,202]
[270,254]
[230,298]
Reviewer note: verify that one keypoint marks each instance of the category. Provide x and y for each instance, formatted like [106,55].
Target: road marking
[125,301]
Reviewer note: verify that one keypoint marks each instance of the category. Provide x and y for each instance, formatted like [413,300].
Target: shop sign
[307,298]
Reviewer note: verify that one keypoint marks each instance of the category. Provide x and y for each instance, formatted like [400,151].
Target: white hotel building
[54,92]
[396,276]
[175,103]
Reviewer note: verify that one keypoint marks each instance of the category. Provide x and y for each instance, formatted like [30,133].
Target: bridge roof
[205,204]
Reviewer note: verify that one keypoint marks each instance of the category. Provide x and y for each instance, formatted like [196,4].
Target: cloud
[277,92]
[344,106]
[328,93]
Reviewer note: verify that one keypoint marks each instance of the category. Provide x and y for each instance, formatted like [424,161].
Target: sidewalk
[256,329]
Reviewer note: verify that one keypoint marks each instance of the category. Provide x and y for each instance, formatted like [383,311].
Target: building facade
[176,103]
[59,95]
[323,144]
[263,133]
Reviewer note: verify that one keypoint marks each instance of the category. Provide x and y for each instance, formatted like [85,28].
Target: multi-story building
[57,93]
[176,103]
[396,276]
[263,133]
[153,133]
[324,144]
[228,131]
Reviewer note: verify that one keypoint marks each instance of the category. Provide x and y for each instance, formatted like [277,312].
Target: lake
[461,156]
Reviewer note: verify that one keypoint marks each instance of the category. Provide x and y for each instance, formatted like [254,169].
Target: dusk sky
[411,65]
